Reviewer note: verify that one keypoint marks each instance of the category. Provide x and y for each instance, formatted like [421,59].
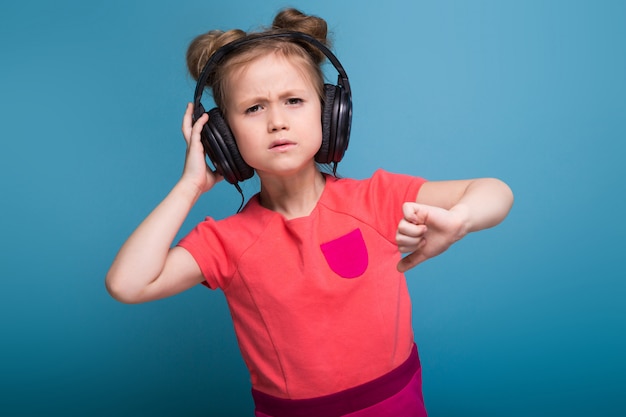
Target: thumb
[411,260]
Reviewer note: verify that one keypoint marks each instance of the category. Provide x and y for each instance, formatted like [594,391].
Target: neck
[293,196]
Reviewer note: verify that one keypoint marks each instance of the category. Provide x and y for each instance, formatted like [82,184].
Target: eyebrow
[248,101]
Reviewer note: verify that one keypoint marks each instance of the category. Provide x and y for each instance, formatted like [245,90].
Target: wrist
[188,190]
[462,212]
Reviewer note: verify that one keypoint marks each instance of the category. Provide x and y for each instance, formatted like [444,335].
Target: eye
[253,109]
[294,100]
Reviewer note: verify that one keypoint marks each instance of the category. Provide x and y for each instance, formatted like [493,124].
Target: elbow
[496,200]
[120,292]
[505,197]
[508,196]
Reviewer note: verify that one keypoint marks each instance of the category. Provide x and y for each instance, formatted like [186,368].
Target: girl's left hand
[427,231]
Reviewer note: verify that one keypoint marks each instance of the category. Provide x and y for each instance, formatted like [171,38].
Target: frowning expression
[274,112]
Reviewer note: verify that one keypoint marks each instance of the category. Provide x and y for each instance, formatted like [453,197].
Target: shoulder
[381,183]
[231,233]
[376,200]
[374,203]
[218,245]
[242,226]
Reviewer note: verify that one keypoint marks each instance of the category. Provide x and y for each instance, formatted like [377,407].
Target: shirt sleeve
[385,195]
[209,248]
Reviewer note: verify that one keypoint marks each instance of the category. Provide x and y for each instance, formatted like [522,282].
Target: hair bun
[205,45]
[294,20]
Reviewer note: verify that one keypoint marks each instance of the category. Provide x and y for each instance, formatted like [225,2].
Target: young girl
[312,267]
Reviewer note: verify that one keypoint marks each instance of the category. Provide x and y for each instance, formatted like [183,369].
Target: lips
[281,145]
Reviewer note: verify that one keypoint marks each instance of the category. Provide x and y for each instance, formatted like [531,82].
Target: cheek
[314,124]
[316,131]
[243,139]
[241,131]
[246,148]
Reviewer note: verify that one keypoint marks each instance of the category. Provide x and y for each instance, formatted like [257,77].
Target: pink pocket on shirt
[347,255]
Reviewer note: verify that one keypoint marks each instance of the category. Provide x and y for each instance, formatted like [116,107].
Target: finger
[199,124]
[407,244]
[414,213]
[407,228]
[411,260]
[407,248]
[187,121]
[194,135]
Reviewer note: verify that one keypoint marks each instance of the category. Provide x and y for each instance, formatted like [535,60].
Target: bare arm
[146,267]
[445,212]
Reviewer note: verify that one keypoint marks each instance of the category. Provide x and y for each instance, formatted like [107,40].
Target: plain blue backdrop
[527,319]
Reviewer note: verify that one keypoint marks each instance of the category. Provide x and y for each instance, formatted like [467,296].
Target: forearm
[445,212]
[484,204]
[142,257]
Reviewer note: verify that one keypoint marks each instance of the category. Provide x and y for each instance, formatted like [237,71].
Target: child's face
[274,113]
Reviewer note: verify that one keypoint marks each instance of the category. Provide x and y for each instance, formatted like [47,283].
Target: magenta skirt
[398,393]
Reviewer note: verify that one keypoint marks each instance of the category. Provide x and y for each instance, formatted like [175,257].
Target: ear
[219,143]
[324,155]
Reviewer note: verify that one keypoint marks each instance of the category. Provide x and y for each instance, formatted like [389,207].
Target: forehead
[271,69]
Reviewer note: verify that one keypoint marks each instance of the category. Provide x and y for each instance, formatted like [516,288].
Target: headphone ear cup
[325,154]
[219,143]
[343,113]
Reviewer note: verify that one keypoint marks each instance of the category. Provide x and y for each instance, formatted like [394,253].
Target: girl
[312,267]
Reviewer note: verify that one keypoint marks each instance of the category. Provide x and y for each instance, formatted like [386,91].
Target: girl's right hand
[196,170]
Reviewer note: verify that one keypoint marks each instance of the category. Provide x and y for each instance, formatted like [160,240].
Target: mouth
[281,145]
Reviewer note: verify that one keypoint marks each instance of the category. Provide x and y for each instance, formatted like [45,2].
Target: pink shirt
[317,302]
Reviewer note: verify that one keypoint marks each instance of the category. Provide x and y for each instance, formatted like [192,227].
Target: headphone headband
[342,78]
[219,142]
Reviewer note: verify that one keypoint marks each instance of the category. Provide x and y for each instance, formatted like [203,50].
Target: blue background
[527,319]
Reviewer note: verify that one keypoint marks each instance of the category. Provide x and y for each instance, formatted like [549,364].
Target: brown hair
[205,45]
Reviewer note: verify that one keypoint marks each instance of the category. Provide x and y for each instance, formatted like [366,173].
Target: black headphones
[219,142]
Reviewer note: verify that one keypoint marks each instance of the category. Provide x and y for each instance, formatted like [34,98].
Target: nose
[277,120]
